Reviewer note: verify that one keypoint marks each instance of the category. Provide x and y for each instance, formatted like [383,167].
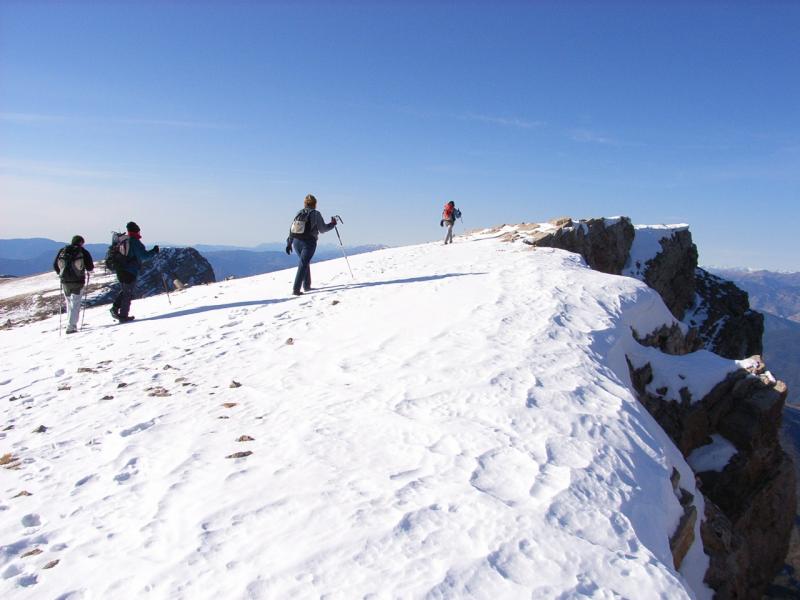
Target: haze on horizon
[209,122]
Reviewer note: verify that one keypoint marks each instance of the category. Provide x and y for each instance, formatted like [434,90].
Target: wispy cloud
[13,117]
[502,121]
[589,136]
[47,169]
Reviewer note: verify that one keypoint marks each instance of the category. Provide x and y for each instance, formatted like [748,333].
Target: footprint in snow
[31,520]
[137,428]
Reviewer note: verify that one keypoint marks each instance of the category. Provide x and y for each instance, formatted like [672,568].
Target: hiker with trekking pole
[124,257]
[73,264]
[303,234]
[449,216]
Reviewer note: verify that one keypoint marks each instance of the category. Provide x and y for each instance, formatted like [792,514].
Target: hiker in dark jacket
[72,263]
[303,234]
[134,253]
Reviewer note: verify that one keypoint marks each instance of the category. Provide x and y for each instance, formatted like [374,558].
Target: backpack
[298,226]
[71,267]
[457,214]
[447,213]
[117,253]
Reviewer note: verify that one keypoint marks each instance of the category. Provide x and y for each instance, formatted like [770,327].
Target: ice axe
[337,219]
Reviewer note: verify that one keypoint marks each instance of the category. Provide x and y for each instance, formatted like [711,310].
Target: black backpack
[71,267]
[300,222]
[117,253]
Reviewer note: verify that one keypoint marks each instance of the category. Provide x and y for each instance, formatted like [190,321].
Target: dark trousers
[305,251]
[127,288]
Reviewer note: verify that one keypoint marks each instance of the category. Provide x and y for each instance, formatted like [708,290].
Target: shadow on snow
[314,291]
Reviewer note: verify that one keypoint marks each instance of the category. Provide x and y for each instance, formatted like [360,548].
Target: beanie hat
[77,240]
[131,226]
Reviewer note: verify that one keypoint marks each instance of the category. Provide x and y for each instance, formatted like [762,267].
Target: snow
[458,423]
[713,456]
[646,245]
[698,372]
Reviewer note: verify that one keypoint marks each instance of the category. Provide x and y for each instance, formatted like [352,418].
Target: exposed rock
[727,325]
[670,340]
[672,272]
[184,264]
[683,537]
[239,454]
[604,243]
[235,384]
[750,503]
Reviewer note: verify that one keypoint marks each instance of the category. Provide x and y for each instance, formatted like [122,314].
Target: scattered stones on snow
[239,454]
[158,391]
[289,341]
[86,370]
[51,564]
[33,552]
[229,404]
[235,384]
[23,493]
[245,438]
[9,461]
[40,429]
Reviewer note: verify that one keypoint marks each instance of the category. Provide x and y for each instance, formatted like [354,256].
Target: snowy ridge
[458,423]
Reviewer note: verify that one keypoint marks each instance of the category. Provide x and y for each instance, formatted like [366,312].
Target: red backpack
[447,213]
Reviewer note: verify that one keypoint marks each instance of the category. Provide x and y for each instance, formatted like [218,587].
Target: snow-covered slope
[456,423]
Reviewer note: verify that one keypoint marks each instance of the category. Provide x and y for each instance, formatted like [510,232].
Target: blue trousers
[305,251]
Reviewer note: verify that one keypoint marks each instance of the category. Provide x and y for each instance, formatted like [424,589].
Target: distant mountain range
[22,257]
[777,295]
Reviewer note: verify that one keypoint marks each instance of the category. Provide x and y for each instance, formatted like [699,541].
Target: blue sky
[210,122]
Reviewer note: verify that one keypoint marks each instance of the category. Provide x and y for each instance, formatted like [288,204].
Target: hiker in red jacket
[449,216]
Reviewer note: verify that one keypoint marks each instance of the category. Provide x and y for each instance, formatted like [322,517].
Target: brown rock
[235,384]
[239,454]
[245,438]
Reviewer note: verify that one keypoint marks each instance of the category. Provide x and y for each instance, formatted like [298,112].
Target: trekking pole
[83,299]
[338,219]
[60,295]
[166,288]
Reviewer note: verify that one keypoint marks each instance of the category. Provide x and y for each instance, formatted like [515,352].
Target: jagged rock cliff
[750,503]
[172,268]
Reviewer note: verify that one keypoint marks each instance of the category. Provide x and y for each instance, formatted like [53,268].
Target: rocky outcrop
[718,309]
[672,272]
[683,537]
[604,243]
[724,319]
[172,268]
[750,502]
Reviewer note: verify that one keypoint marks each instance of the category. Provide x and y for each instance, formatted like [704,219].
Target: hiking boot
[72,330]
[297,293]
[114,313]
[126,319]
